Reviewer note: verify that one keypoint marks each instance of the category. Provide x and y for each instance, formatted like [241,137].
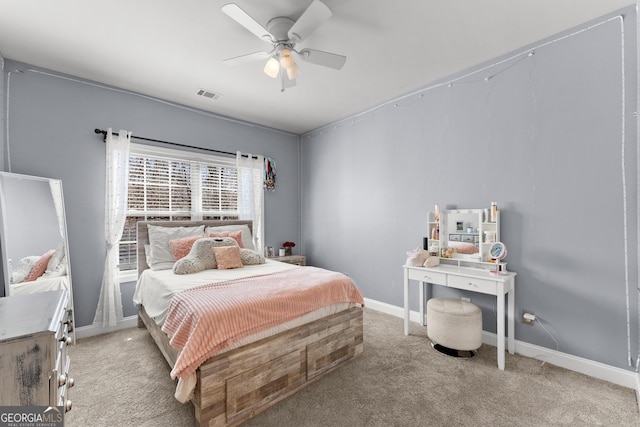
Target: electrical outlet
[465,299]
[528,317]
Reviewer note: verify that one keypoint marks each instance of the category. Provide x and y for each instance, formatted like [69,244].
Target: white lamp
[293,71]
[272,67]
[286,60]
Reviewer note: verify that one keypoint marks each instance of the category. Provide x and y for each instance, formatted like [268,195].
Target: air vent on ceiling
[208,94]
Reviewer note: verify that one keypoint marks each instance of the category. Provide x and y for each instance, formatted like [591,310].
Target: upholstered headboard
[143,233]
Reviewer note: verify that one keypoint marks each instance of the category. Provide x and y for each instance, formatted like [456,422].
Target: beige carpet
[123,380]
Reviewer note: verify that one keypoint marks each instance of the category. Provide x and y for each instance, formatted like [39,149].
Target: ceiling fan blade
[326,59]
[244,19]
[314,16]
[243,59]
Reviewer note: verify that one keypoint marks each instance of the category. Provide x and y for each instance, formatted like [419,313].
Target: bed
[40,273]
[262,368]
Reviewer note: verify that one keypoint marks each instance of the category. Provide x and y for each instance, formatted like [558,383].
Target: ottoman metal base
[465,354]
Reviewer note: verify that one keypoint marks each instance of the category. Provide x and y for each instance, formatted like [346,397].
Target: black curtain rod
[228,153]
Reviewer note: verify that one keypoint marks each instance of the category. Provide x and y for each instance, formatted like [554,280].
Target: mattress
[155,289]
[40,285]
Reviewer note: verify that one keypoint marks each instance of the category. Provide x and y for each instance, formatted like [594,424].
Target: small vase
[287,251]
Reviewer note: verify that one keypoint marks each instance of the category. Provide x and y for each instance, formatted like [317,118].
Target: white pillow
[160,254]
[247,238]
[57,258]
[60,270]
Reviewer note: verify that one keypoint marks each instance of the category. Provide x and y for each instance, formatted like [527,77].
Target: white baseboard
[588,367]
[638,390]
[92,330]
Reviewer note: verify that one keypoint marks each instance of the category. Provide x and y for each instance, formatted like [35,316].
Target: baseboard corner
[93,330]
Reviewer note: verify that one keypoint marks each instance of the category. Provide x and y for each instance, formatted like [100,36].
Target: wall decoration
[269,174]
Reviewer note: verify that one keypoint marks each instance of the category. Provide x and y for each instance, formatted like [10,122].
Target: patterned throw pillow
[180,248]
[250,257]
[201,255]
[24,268]
[227,257]
[237,235]
[40,267]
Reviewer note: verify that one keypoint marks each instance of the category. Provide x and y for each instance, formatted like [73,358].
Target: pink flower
[288,245]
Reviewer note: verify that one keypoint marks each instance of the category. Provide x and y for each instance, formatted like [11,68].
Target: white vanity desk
[470,279]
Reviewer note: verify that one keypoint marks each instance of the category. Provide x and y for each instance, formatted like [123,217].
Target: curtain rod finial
[103,132]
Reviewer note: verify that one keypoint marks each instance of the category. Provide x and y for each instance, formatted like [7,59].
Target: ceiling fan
[283,34]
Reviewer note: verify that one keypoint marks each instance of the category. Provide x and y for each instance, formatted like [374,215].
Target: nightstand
[292,259]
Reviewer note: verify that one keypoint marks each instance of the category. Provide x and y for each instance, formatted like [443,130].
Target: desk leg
[500,326]
[511,316]
[422,320]
[406,302]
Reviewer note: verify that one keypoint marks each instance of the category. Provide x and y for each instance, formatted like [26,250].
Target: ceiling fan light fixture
[272,67]
[286,60]
[293,71]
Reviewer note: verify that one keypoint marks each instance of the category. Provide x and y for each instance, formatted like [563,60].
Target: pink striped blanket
[205,320]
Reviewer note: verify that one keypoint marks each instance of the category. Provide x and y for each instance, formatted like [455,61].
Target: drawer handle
[67,340]
[68,405]
[65,379]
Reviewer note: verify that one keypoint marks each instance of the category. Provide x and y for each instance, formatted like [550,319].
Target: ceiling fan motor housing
[279,29]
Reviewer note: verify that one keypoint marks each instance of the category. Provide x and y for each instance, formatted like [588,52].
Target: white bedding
[155,289]
[40,285]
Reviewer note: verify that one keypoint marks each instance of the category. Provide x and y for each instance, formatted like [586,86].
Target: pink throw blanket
[208,319]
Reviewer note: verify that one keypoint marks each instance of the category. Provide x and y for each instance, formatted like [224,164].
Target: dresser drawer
[428,276]
[472,284]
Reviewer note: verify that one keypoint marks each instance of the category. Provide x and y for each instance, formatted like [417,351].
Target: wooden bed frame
[238,384]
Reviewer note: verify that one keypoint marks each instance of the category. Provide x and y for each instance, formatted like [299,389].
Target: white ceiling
[169,49]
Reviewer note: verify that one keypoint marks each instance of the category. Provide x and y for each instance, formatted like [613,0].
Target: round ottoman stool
[454,326]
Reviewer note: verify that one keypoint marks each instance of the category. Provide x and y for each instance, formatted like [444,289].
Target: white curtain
[109,309]
[251,194]
[56,193]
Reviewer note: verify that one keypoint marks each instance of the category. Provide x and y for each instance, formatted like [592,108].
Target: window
[175,185]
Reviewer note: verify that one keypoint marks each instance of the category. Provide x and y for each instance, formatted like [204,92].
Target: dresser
[34,335]
[470,279]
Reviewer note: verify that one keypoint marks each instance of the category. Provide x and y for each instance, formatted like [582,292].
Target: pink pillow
[181,247]
[227,257]
[40,266]
[237,235]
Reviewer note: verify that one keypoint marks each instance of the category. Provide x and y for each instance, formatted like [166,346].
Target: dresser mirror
[33,244]
[464,234]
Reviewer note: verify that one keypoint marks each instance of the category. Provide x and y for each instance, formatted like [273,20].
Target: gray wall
[542,138]
[51,119]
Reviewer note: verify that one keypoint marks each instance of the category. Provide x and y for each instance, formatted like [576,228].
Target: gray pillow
[201,257]
[250,257]
[24,269]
